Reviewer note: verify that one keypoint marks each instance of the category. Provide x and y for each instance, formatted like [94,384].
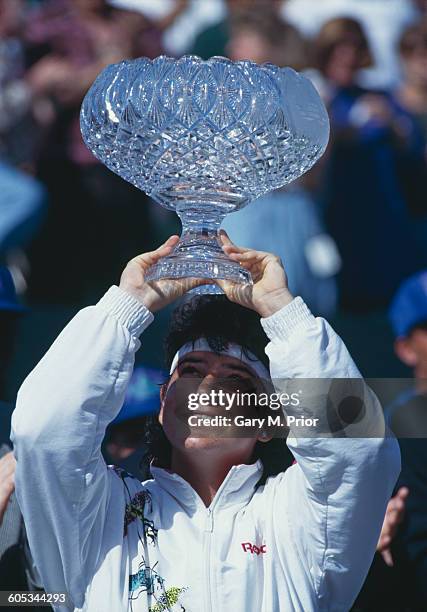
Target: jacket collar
[237,487]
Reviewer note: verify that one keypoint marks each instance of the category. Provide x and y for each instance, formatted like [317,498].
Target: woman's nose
[207,382]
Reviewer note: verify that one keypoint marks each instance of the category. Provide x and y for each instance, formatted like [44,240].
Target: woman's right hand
[156,294]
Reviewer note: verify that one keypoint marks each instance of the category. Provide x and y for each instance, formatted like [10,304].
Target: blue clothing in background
[286,223]
[22,203]
[365,205]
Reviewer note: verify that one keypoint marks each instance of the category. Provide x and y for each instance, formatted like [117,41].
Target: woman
[365,204]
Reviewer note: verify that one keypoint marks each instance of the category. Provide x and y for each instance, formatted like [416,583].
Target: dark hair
[420,326]
[220,322]
[289,48]
[414,37]
[337,31]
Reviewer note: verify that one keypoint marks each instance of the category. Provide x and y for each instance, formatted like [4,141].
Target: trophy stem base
[199,253]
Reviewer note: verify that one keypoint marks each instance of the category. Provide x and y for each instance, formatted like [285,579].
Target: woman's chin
[194,442]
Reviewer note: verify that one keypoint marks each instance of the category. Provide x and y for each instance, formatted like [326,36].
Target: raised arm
[63,486]
[329,506]
[346,466]
[62,412]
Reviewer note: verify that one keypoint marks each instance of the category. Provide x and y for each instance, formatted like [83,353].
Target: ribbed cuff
[282,323]
[129,311]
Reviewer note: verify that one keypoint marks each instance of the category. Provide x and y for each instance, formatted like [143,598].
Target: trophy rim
[280,77]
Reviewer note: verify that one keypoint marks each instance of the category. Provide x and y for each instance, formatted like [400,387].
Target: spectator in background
[408,418]
[262,36]
[421,5]
[403,541]
[75,40]
[22,205]
[408,315]
[291,224]
[382,20]
[17,571]
[124,442]
[366,209]
[21,196]
[214,39]
[162,17]
[16,144]
[413,90]
[411,97]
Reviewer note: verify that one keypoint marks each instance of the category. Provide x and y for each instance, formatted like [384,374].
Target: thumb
[224,284]
[388,557]
[403,493]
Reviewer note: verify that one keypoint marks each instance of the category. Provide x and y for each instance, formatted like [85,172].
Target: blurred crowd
[350,232]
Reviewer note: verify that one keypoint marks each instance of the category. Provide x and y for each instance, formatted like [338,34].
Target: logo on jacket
[254,550]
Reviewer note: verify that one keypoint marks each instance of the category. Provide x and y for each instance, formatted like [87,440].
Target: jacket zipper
[208,540]
[209,525]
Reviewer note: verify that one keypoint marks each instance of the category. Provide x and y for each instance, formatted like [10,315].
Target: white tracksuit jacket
[302,542]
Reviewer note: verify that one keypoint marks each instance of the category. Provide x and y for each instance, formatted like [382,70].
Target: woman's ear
[405,352]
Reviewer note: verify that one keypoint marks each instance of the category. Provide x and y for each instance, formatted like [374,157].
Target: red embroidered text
[255,550]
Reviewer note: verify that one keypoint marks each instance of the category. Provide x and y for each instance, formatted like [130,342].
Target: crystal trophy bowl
[203,138]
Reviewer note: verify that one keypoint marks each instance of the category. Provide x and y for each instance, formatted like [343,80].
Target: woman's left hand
[269,292]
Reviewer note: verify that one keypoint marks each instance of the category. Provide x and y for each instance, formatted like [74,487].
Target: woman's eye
[244,380]
[189,371]
[235,377]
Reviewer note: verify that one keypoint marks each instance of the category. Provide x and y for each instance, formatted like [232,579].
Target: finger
[228,245]
[224,284]
[384,542]
[236,292]
[259,256]
[399,505]
[7,465]
[8,458]
[396,509]
[225,238]
[5,496]
[395,504]
[235,252]
[388,558]
[171,241]
[230,288]
[7,488]
[232,248]
[249,255]
[173,238]
[152,257]
[254,265]
[4,474]
[403,493]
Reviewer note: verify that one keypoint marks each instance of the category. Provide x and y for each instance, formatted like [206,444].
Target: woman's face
[344,61]
[204,372]
[415,67]
[248,45]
